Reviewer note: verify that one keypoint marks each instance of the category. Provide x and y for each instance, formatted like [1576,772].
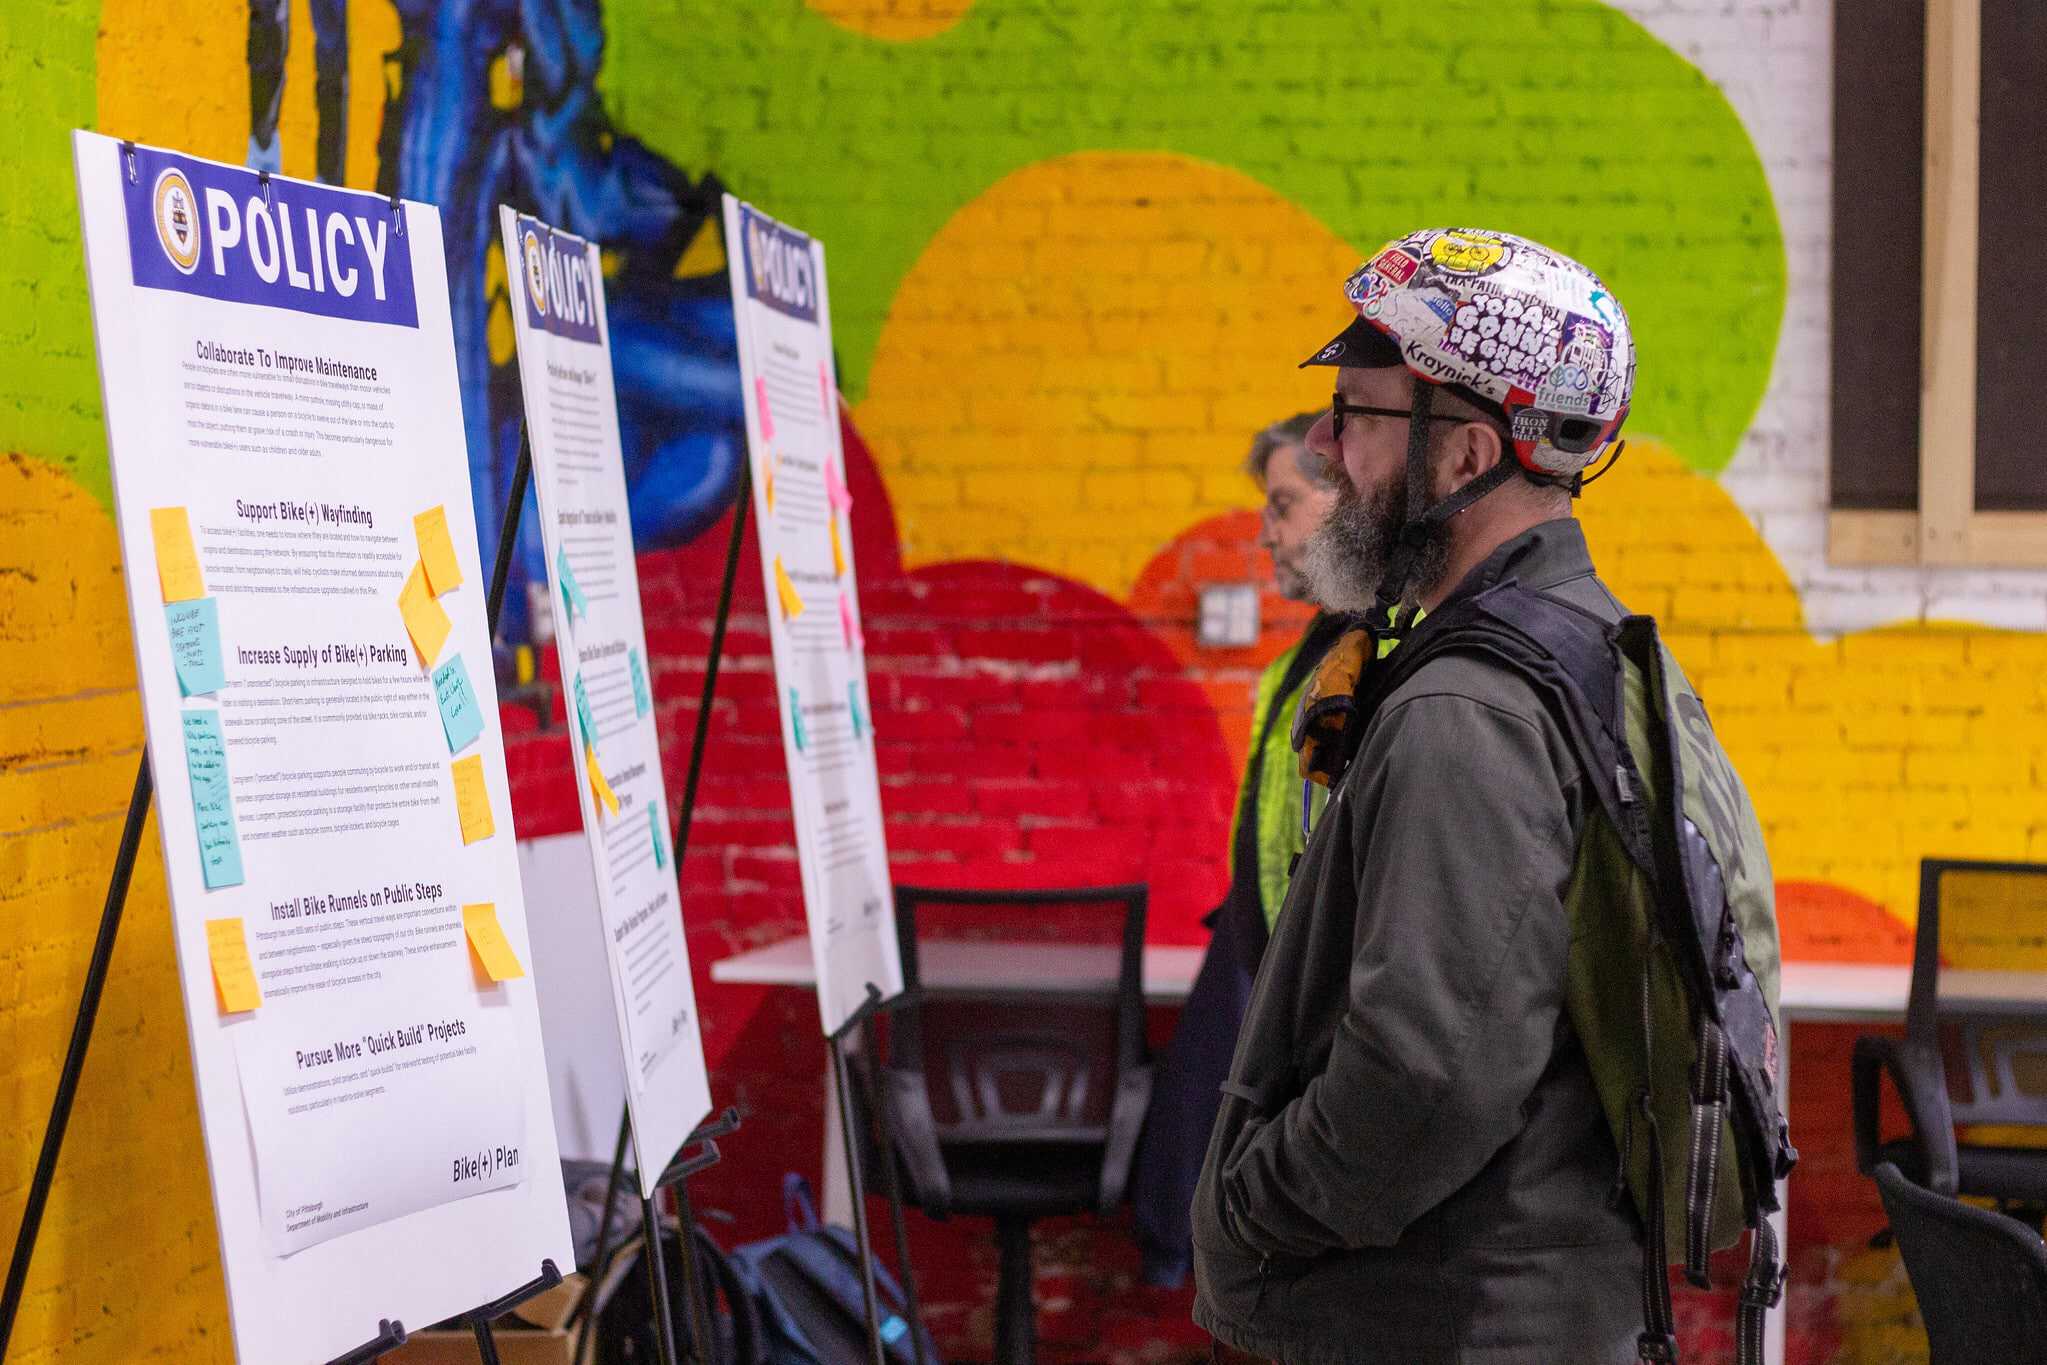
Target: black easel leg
[508,529]
[717,652]
[905,1271]
[657,1271]
[74,1056]
[842,1083]
[705,1349]
[486,1344]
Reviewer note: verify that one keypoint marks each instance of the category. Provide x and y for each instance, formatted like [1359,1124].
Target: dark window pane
[2011,286]
[1879,140]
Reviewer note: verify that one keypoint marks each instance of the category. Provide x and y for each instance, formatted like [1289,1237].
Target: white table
[1815,992]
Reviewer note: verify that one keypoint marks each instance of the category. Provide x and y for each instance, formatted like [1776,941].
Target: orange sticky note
[599,788]
[437,550]
[768,486]
[472,799]
[234,974]
[785,590]
[177,557]
[838,550]
[488,946]
[426,620]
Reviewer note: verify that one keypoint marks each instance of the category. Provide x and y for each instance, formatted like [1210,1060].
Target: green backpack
[1673,976]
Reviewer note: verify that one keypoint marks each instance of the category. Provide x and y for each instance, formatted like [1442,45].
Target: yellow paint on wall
[897,21]
[201,50]
[115,1279]
[1080,348]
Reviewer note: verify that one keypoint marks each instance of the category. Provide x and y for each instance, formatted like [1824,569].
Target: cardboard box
[541,1341]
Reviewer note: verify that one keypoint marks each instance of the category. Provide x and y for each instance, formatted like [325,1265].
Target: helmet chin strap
[1422,518]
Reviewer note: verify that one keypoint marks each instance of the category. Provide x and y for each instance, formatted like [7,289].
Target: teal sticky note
[461,715]
[195,645]
[654,829]
[584,717]
[573,601]
[220,847]
[853,705]
[796,718]
[643,700]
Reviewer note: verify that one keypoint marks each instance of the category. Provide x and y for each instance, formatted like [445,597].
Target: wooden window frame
[1946,529]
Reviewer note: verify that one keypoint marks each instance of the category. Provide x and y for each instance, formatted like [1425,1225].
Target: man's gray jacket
[1411,1164]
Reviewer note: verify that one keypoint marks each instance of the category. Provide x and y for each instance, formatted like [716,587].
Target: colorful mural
[1074,251]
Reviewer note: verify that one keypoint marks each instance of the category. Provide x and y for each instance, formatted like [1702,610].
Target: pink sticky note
[851,627]
[824,388]
[760,396]
[835,487]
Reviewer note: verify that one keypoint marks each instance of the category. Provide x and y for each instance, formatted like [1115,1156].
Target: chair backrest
[1981,1277]
[1979,986]
[1026,1008]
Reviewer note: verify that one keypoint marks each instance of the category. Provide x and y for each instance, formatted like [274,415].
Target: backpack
[805,1285]
[1672,982]
[725,1302]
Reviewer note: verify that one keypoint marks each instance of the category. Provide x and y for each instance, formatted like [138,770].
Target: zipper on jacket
[1264,1271]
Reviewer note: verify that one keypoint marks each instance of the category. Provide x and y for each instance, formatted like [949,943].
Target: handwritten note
[437,550]
[487,942]
[643,700]
[573,601]
[195,645]
[234,973]
[220,847]
[461,715]
[599,788]
[472,799]
[426,620]
[785,591]
[177,557]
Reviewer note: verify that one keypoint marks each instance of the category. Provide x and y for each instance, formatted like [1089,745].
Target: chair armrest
[914,1135]
[1916,1072]
[1126,1121]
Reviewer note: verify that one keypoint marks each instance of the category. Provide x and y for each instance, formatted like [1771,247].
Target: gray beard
[1346,559]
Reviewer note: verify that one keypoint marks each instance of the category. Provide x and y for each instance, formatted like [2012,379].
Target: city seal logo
[1468,253]
[177,219]
[536,272]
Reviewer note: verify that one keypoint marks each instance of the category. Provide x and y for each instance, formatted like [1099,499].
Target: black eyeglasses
[1338,410]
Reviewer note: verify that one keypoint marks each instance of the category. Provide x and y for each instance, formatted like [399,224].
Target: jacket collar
[1541,557]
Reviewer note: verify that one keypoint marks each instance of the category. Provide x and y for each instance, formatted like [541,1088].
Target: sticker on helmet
[1507,336]
[1577,382]
[1395,265]
[1530,425]
[1469,253]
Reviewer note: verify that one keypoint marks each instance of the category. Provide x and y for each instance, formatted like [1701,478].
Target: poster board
[564,346]
[290,482]
[803,510]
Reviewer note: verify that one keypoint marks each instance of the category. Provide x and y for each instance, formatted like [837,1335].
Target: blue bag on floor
[806,1286]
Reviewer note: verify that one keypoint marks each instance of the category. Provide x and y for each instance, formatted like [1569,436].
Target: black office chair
[1014,1078]
[1975,1045]
[1981,1277]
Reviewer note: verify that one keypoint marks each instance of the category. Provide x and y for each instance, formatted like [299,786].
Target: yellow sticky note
[488,946]
[436,550]
[234,974]
[472,799]
[599,788]
[177,557]
[838,550]
[426,620]
[768,487]
[785,590]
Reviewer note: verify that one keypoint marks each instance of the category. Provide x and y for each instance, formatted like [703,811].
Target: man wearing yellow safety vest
[1266,835]
[1512,1042]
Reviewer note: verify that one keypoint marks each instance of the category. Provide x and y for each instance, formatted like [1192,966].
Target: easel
[390,1332]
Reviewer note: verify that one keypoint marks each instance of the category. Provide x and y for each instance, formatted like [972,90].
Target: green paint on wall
[49,385]
[1563,120]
